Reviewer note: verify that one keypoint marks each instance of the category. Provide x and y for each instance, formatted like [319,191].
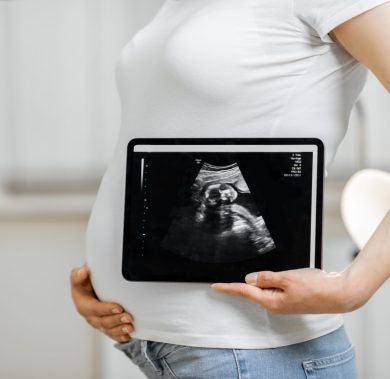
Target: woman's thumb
[79,275]
[265,279]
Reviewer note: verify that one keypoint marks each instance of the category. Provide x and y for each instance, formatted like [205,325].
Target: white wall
[41,334]
[58,62]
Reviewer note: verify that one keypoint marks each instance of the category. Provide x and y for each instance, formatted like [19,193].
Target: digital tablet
[214,209]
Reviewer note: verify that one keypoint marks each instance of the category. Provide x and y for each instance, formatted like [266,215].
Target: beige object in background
[364,202]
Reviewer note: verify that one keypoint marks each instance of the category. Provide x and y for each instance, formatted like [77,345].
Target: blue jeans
[328,357]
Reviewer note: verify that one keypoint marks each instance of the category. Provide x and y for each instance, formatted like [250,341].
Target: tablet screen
[214,210]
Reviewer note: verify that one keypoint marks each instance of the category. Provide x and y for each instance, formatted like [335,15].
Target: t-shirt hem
[238,342]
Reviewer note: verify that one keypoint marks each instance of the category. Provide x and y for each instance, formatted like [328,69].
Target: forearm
[370,269]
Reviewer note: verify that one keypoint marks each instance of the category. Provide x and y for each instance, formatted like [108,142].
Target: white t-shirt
[223,68]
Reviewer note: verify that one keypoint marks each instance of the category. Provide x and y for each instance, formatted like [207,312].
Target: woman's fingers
[264,287]
[84,296]
[99,308]
[117,327]
[240,289]
[88,305]
[110,322]
[268,298]
[120,333]
[268,279]
[79,277]
[108,317]
[111,325]
[123,338]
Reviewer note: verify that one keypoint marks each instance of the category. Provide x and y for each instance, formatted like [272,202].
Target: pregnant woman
[229,68]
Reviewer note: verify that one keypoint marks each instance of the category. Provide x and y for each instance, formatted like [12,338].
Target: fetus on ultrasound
[221,224]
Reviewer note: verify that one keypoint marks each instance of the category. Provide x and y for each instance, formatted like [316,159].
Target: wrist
[336,292]
[351,295]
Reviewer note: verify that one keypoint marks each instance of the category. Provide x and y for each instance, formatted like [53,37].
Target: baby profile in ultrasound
[221,224]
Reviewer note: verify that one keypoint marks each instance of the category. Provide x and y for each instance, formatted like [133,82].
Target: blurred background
[59,119]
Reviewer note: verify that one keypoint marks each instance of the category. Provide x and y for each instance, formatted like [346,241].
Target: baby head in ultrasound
[215,205]
[218,194]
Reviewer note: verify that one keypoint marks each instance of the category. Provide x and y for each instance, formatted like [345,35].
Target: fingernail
[79,273]
[125,330]
[251,278]
[126,318]
[116,311]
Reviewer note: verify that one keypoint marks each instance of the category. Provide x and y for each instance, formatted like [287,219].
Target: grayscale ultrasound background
[222,223]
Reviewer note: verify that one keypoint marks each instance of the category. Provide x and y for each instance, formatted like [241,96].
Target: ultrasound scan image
[221,223]
[213,216]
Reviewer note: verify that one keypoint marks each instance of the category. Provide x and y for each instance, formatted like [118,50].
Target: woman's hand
[311,290]
[297,291]
[109,318]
